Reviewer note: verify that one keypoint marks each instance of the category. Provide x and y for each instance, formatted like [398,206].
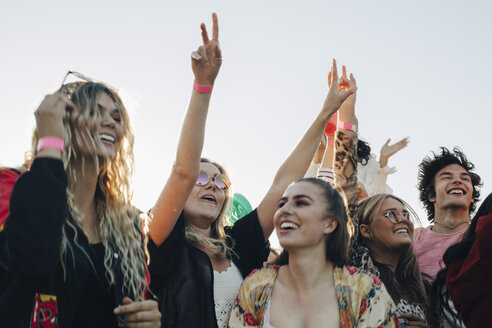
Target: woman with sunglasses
[386,229]
[379,245]
[72,246]
[197,264]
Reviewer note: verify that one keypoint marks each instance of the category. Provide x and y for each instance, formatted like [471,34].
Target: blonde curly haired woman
[72,247]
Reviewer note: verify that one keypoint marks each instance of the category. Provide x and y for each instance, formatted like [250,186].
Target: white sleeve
[374,177]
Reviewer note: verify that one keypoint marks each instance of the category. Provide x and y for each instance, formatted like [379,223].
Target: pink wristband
[51,142]
[346,126]
[202,88]
[331,142]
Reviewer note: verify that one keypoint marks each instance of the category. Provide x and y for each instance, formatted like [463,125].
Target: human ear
[331,225]
[432,197]
[365,231]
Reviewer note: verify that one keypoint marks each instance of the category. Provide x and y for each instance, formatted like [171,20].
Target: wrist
[347,126]
[49,153]
[383,161]
[203,87]
[52,143]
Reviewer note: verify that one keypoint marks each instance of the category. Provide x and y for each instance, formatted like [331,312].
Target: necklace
[452,227]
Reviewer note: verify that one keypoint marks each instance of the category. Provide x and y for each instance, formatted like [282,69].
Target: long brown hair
[407,279]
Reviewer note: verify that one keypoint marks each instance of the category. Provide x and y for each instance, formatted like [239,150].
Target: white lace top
[373,177]
[226,288]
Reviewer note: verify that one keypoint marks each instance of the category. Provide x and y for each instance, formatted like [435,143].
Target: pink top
[429,247]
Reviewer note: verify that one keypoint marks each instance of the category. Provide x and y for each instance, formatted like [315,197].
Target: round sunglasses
[395,216]
[219,180]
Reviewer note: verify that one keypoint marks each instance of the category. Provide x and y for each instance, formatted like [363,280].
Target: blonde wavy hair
[119,222]
[217,243]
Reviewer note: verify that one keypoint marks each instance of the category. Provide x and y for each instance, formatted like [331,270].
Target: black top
[30,256]
[97,296]
[182,275]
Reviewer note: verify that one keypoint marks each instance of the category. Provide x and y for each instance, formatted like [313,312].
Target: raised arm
[347,129]
[295,166]
[30,243]
[348,122]
[205,62]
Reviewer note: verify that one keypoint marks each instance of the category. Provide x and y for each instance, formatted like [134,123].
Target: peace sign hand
[206,61]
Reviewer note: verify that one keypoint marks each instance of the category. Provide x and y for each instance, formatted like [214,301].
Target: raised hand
[49,115]
[206,61]
[340,89]
[139,314]
[344,83]
[389,150]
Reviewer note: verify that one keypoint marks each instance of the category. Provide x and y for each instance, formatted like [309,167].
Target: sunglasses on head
[395,216]
[81,78]
[219,180]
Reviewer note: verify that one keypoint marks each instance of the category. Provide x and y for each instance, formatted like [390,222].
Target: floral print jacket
[362,300]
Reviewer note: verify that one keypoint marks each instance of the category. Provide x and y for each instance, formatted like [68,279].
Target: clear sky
[423,70]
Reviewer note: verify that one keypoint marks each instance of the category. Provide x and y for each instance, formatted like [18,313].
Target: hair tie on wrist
[51,142]
[347,126]
[331,126]
[202,88]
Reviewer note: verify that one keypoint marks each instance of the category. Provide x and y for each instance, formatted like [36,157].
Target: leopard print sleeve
[345,153]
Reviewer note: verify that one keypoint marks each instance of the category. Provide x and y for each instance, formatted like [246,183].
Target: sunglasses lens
[221,182]
[202,179]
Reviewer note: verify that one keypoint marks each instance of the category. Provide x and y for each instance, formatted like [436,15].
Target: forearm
[185,169]
[292,169]
[190,142]
[345,138]
[344,164]
[297,163]
[345,171]
[325,171]
[383,161]
[32,235]
[328,157]
[347,113]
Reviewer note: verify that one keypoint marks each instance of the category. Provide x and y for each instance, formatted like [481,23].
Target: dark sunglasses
[219,180]
[395,216]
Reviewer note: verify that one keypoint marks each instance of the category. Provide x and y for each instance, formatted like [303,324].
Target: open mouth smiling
[288,225]
[107,139]
[401,230]
[209,198]
[456,191]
